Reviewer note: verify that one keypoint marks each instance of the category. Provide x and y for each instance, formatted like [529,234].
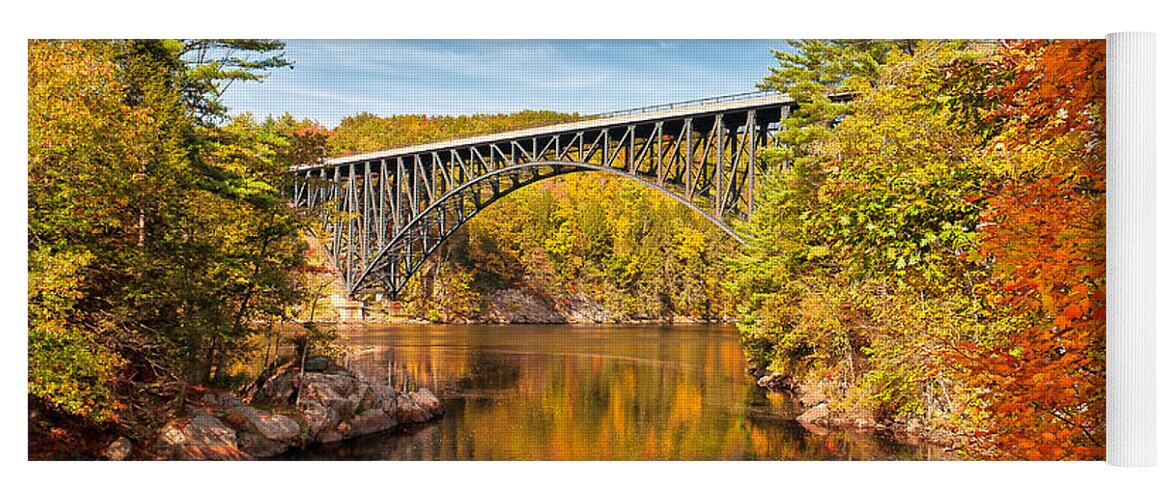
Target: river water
[572,392]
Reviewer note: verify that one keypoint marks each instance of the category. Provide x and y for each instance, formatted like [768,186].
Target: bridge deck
[608,120]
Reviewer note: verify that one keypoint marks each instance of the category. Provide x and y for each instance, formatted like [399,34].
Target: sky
[332,79]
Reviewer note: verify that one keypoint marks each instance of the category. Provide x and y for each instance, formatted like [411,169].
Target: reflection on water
[589,393]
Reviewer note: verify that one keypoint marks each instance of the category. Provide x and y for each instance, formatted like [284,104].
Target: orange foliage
[1045,231]
[310,144]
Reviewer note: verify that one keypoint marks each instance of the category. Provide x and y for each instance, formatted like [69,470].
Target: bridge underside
[382,215]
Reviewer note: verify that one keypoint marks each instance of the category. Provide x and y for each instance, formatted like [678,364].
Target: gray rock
[862,418]
[318,418]
[330,407]
[202,437]
[118,450]
[273,426]
[513,305]
[256,445]
[775,381]
[339,392]
[316,364]
[372,421]
[418,406]
[278,390]
[817,414]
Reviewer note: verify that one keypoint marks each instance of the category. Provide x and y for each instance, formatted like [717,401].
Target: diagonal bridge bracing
[382,214]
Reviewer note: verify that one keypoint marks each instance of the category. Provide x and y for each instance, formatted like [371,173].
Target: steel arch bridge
[382,214]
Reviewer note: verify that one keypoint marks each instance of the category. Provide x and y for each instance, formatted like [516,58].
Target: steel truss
[382,215]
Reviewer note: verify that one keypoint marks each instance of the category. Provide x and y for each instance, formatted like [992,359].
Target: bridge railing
[685,104]
[608,114]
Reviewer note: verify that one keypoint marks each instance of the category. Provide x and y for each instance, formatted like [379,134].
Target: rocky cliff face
[521,305]
[291,409]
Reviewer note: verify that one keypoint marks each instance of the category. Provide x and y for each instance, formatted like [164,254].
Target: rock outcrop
[817,415]
[200,437]
[291,409]
[521,305]
[118,450]
[341,405]
[513,306]
[776,382]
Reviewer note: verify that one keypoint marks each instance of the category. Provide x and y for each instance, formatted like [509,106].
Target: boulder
[372,421]
[272,426]
[258,446]
[201,437]
[426,404]
[318,417]
[220,399]
[259,433]
[775,381]
[818,414]
[316,364]
[418,406]
[333,434]
[322,407]
[279,390]
[118,450]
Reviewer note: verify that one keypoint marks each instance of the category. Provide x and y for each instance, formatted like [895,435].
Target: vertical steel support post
[751,131]
[718,130]
[688,180]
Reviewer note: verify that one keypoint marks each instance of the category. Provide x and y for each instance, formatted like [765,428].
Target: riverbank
[287,411]
[525,306]
[820,413]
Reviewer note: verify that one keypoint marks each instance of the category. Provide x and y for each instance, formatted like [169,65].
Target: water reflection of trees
[635,396]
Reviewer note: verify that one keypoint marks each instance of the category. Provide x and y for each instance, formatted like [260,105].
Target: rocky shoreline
[289,410]
[819,415]
[525,306]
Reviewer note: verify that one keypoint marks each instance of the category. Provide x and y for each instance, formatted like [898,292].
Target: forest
[931,249]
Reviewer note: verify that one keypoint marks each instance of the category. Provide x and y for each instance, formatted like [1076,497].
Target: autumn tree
[157,238]
[1045,230]
[862,276]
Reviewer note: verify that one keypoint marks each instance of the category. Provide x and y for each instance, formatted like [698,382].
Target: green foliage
[214,65]
[862,271]
[67,366]
[157,240]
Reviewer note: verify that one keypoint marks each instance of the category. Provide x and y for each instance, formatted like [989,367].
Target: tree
[861,275]
[157,238]
[1045,231]
[84,148]
[214,65]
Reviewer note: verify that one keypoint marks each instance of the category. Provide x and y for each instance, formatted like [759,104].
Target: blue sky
[332,79]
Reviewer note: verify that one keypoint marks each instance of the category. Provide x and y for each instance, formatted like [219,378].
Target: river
[573,392]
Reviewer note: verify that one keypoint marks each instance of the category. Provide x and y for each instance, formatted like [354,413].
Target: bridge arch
[384,213]
[385,260]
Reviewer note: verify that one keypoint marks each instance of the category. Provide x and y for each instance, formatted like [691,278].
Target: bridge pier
[348,311]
